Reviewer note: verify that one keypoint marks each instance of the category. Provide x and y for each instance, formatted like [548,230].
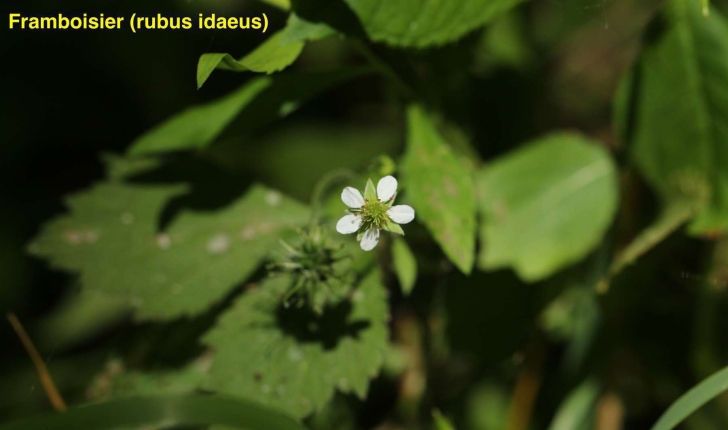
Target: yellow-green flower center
[374,213]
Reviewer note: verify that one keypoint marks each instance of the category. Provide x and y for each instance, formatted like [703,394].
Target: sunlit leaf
[678,109]
[417,23]
[110,237]
[283,4]
[150,412]
[405,265]
[292,361]
[273,55]
[440,189]
[546,205]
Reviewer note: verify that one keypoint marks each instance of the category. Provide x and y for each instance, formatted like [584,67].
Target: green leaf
[441,423]
[282,4]
[693,400]
[405,265]
[679,110]
[150,412]
[292,361]
[393,227]
[546,205]
[416,23]
[271,56]
[370,192]
[198,126]
[253,106]
[298,30]
[111,238]
[577,410]
[116,382]
[440,189]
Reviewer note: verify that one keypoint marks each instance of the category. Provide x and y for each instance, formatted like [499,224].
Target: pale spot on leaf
[218,244]
[127,218]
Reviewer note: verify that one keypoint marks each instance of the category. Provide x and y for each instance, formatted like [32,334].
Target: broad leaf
[253,106]
[546,205]
[111,238]
[678,110]
[271,56]
[416,23]
[287,359]
[405,265]
[116,382]
[440,189]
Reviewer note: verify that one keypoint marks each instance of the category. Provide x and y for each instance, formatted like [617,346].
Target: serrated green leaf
[255,358]
[273,55]
[370,192]
[546,205]
[440,189]
[405,265]
[691,401]
[253,106]
[680,109]
[417,23]
[110,237]
[150,412]
[393,227]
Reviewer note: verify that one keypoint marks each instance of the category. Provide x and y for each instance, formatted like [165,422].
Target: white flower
[373,211]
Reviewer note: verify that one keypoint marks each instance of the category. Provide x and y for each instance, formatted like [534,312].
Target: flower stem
[322,186]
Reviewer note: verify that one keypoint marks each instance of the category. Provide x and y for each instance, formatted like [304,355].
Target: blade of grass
[167,411]
[693,400]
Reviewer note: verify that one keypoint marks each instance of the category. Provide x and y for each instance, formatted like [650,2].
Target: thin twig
[45,377]
[526,390]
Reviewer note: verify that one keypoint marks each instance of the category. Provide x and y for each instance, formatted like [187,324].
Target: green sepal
[370,193]
[393,227]
[391,201]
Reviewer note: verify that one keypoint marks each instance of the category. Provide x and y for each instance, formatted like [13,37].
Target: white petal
[352,197]
[386,188]
[370,239]
[401,214]
[348,224]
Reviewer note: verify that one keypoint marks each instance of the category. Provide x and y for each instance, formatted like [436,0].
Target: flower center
[374,213]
